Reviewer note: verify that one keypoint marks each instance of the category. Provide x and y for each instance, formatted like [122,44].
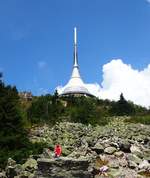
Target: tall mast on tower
[75,48]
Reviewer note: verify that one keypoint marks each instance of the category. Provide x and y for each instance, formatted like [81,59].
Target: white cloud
[41,64]
[93,88]
[120,77]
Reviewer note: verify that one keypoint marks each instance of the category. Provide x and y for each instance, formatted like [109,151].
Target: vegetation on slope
[52,109]
[14,141]
[18,115]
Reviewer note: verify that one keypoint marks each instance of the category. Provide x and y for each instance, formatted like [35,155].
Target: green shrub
[139,119]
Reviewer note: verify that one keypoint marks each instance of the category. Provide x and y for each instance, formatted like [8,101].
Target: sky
[36,45]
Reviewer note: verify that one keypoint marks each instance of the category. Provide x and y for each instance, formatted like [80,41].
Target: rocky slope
[123,148]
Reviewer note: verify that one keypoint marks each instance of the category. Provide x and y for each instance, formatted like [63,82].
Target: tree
[122,107]
[1,76]
[12,133]
[13,136]
[46,108]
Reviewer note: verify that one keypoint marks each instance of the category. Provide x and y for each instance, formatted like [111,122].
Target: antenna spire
[75,48]
[75,35]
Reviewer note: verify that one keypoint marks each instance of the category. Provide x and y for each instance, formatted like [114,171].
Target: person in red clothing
[57,151]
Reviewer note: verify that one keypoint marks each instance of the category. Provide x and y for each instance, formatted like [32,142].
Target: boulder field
[123,147]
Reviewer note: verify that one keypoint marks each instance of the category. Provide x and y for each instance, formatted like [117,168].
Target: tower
[75,85]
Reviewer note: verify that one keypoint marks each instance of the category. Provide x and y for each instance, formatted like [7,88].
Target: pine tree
[12,133]
[122,107]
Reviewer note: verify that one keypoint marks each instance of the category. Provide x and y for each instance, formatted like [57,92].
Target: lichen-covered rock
[124,146]
[134,158]
[144,165]
[63,167]
[132,164]
[119,153]
[136,150]
[25,174]
[10,168]
[98,148]
[11,172]
[115,173]
[18,168]
[114,164]
[30,165]
[110,150]
[11,162]
[2,174]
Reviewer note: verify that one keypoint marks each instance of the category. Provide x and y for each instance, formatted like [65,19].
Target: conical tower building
[75,86]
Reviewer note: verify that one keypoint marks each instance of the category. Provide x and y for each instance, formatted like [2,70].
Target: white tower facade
[75,86]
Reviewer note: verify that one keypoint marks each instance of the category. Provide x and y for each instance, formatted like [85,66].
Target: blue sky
[36,39]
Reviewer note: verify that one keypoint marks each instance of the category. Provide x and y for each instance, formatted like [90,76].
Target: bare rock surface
[63,167]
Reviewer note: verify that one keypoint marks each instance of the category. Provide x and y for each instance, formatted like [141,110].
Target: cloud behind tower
[119,77]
